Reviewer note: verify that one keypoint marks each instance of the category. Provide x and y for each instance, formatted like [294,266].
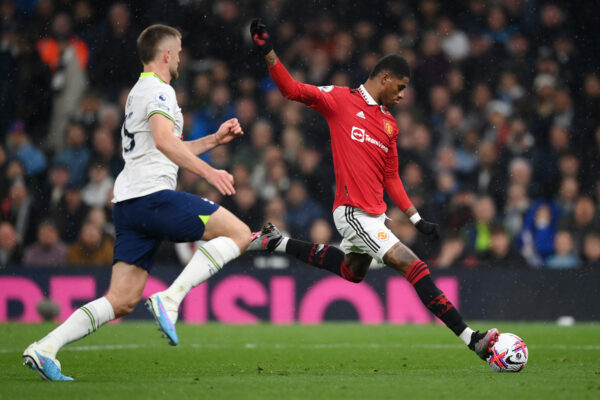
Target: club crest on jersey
[388,127]
[382,235]
[325,89]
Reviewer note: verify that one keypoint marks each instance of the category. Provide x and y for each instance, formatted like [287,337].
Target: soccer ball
[509,354]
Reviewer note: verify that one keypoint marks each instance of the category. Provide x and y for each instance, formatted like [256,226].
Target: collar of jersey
[366,96]
[147,74]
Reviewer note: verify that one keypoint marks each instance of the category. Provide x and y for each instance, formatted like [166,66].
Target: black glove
[431,229]
[259,34]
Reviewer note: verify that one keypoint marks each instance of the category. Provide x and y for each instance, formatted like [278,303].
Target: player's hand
[431,229]
[222,181]
[260,36]
[228,131]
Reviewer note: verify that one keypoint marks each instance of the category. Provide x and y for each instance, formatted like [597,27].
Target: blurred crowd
[499,131]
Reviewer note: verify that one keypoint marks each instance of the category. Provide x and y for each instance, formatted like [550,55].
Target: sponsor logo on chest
[360,135]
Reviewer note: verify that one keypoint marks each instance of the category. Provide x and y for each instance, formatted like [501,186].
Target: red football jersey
[363,141]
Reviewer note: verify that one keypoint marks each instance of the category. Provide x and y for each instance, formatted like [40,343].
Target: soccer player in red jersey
[363,142]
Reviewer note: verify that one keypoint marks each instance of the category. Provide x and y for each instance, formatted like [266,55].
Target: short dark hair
[147,42]
[395,64]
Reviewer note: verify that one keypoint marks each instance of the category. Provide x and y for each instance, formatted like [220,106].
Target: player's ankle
[467,336]
[281,246]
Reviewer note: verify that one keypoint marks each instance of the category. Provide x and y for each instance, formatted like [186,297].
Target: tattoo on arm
[271,58]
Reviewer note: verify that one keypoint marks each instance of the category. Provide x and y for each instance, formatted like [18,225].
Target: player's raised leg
[352,266]
[126,286]
[226,238]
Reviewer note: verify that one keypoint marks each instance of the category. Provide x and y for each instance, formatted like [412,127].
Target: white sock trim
[221,249]
[206,262]
[85,320]
[465,336]
[282,245]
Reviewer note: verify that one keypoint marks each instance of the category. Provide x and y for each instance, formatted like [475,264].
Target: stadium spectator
[11,253]
[491,177]
[70,213]
[478,233]
[3,178]
[246,205]
[320,231]
[92,248]
[568,193]
[591,249]
[97,216]
[20,147]
[218,110]
[48,250]
[536,240]
[501,252]
[564,255]
[498,30]
[517,204]
[19,208]
[99,185]
[67,56]
[88,111]
[114,66]
[53,192]
[76,156]
[104,149]
[454,42]
[583,220]
[453,253]
[302,211]
[260,137]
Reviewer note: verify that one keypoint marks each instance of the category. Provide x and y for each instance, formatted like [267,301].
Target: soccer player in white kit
[148,210]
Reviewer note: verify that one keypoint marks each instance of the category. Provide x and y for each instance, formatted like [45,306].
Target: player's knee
[123,307]
[242,236]
[351,274]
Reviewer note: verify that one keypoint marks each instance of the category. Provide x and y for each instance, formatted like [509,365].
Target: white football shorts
[363,233]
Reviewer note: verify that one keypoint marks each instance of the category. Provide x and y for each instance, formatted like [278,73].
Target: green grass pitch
[331,361]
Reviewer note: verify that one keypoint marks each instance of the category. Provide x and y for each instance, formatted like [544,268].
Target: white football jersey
[147,170]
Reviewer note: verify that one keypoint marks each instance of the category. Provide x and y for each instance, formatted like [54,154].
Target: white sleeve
[162,101]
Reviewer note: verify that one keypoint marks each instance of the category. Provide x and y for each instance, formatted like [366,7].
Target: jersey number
[126,134]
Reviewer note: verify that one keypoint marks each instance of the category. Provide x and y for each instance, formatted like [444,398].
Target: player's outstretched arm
[289,87]
[180,154]
[228,131]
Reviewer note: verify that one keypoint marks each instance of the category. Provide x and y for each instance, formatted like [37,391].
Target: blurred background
[499,131]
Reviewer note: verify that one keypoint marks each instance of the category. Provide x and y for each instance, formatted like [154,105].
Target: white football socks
[206,262]
[82,322]
[466,335]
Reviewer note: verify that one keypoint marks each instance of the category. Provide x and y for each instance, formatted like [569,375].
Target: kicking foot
[481,343]
[164,311]
[265,240]
[43,363]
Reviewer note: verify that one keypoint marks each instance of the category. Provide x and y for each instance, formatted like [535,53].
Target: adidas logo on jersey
[360,114]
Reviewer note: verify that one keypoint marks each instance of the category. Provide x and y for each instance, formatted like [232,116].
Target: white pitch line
[302,346]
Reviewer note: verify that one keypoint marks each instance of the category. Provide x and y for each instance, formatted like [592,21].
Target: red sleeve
[395,188]
[392,182]
[315,97]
